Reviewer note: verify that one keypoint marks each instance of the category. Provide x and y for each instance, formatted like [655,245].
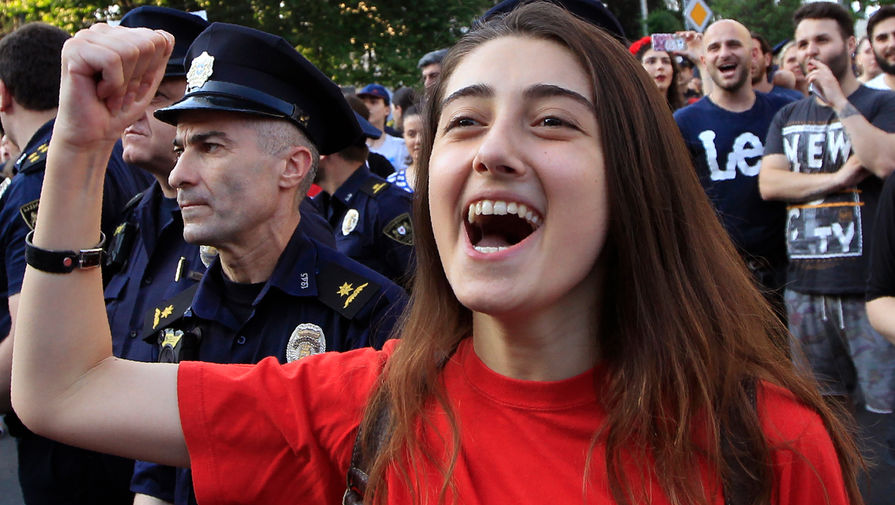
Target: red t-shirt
[272,433]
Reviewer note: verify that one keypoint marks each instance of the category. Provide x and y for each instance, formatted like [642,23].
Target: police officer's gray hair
[275,135]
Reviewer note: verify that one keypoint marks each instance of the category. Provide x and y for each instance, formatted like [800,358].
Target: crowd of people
[664,276]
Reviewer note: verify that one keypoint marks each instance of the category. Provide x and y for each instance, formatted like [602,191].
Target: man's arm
[66,384]
[870,144]
[777,182]
[881,313]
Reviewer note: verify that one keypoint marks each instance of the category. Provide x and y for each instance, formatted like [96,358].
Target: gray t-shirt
[828,239]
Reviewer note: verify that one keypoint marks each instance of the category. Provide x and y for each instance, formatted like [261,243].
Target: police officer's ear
[298,163]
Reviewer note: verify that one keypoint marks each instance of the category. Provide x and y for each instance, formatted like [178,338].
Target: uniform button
[133,334]
[241,339]
[147,281]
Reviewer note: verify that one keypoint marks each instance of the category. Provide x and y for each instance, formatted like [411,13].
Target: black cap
[592,11]
[183,26]
[238,69]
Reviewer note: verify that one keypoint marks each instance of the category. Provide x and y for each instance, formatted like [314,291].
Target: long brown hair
[683,331]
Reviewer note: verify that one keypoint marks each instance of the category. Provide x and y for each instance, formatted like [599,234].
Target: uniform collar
[41,136]
[294,274]
[352,185]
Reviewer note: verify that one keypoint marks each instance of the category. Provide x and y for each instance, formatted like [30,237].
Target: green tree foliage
[664,21]
[772,19]
[352,41]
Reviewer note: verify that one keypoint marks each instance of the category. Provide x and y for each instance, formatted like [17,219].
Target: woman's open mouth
[494,225]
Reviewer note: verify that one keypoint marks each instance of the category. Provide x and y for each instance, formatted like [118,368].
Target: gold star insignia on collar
[345,289]
[354,294]
[161,314]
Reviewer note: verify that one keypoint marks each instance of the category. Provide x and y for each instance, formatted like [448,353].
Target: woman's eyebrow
[551,90]
[474,90]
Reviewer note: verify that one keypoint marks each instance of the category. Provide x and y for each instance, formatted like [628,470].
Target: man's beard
[884,65]
[839,65]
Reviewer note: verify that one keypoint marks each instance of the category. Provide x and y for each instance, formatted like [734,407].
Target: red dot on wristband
[67,262]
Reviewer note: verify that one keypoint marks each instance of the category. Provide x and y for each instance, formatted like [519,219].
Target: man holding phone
[827,156]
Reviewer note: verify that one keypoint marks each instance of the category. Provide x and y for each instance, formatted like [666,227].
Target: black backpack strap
[740,489]
[362,460]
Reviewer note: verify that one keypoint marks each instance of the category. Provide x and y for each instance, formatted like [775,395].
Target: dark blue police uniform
[316,300]
[371,223]
[50,472]
[156,265]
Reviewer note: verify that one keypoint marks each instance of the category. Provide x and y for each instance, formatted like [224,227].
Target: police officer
[250,129]
[147,249]
[30,65]
[369,216]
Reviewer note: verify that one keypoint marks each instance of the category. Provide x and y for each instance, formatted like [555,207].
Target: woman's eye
[552,122]
[462,122]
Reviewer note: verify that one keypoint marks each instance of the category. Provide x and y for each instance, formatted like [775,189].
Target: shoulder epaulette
[344,291]
[35,158]
[374,186]
[167,312]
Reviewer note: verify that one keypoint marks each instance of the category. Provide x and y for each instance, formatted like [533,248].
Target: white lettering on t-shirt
[838,145]
[746,145]
[846,237]
[816,150]
[823,233]
[790,148]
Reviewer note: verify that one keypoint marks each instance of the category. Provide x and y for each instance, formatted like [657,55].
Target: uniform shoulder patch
[168,311]
[29,213]
[374,186]
[344,291]
[400,229]
[35,158]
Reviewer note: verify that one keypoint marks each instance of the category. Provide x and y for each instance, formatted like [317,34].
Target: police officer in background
[147,250]
[369,216]
[250,131]
[30,64]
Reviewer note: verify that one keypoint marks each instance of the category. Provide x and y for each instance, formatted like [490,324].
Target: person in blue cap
[251,129]
[147,251]
[369,216]
[378,102]
[30,62]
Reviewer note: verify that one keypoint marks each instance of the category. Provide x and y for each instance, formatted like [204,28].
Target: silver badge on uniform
[350,221]
[307,339]
[200,70]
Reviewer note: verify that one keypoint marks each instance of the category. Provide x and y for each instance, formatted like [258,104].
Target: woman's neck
[548,345]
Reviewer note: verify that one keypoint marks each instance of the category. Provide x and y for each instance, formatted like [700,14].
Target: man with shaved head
[725,131]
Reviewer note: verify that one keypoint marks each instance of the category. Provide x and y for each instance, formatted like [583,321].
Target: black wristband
[62,262]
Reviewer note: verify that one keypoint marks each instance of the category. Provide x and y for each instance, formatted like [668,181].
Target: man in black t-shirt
[826,155]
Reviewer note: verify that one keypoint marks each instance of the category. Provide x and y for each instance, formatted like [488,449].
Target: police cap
[183,26]
[592,11]
[239,69]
